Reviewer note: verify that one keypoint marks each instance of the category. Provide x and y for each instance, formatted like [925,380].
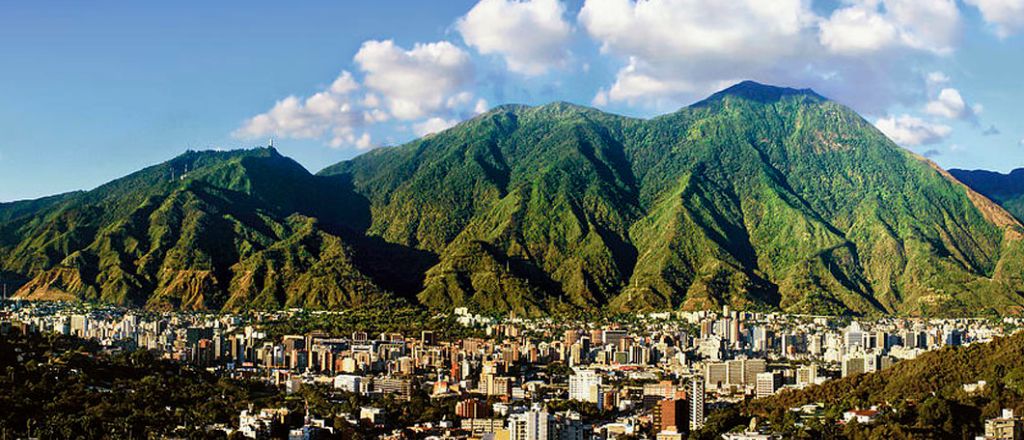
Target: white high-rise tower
[696,403]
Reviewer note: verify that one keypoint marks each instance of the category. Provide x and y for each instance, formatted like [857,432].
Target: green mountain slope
[207,230]
[757,197]
[1005,189]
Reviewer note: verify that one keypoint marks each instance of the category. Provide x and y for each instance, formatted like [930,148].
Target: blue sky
[93,91]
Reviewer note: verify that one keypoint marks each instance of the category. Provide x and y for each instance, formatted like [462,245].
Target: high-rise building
[79,325]
[614,337]
[854,336]
[768,383]
[716,374]
[571,336]
[853,365]
[656,392]
[472,409]
[696,404]
[807,375]
[670,414]
[585,386]
[534,424]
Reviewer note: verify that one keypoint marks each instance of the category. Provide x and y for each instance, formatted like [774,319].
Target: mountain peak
[755,91]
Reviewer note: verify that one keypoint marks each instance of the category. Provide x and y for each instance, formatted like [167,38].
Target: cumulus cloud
[1006,16]
[414,83]
[911,131]
[480,107]
[680,50]
[949,104]
[687,47]
[427,83]
[433,125]
[932,25]
[330,113]
[857,29]
[531,35]
[871,25]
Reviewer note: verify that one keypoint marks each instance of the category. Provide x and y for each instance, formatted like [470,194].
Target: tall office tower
[696,404]
[854,337]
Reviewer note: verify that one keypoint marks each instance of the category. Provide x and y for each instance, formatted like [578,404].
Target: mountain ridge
[757,197]
[1005,189]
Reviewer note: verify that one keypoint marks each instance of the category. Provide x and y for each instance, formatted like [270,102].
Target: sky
[91,91]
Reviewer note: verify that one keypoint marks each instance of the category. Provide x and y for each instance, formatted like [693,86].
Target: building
[696,404]
[373,415]
[1006,427]
[807,375]
[746,436]
[656,392]
[863,416]
[402,388]
[768,383]
[670,415]
[669,435]
[585,386]
[614,337]
[854,336]
[473,409]
[738,372]
[535,424]
[483,426]
[852,366]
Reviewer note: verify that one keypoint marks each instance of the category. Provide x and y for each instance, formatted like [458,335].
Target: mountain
[1005,189]
[206,230]
[757,197]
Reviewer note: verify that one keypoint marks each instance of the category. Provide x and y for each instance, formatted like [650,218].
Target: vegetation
[758,197]
[920,398]
[60,387]
[1005,189]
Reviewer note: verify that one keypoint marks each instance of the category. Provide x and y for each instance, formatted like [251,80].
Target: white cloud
[949,104]
[414,83]
[935,79]
[428,81]
[678,49]
[910,131]
[634,83]
[675,51]
[662,30]
[1007,16]
[481,106]
[531,35]
[856,30]
[329,113]
[364,142]
[433,125]
[932,25]
[865,26]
